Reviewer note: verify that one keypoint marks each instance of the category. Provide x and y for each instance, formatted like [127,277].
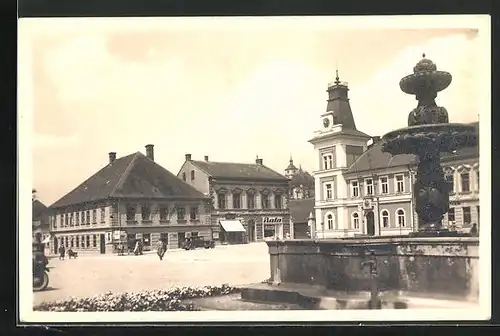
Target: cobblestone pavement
[96,274]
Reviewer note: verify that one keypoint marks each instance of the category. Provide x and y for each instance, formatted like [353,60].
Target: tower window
[327,161]
[328,191]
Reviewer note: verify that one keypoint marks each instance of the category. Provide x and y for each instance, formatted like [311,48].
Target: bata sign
[272,220]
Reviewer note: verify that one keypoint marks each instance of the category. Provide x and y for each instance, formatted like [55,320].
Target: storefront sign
[272,220]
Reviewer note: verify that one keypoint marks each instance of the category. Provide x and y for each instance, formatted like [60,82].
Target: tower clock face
[326,122]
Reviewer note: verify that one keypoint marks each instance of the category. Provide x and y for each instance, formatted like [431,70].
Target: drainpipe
[412,214]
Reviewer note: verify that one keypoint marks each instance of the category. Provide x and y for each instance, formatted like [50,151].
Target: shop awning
[232,226]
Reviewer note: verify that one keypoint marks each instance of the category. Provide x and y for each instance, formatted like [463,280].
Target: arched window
[355,220]
[329,221]
[400,214]
[184,176]
[385,218]
[192,175]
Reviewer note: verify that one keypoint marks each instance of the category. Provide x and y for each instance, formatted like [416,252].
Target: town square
[303,178]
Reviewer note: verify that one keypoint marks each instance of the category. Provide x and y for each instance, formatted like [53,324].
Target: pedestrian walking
[62,252]
[473,230]
[136,248]
[161,248]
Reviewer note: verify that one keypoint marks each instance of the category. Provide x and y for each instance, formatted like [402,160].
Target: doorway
[102,243]
[181,236]
[251,230]
[370,223]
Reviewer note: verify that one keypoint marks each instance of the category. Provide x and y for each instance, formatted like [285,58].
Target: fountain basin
[418,139]
[423,267]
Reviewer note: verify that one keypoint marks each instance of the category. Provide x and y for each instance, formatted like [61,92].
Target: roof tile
[131,176]
[232,170]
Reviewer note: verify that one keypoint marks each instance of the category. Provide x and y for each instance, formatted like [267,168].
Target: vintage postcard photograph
[277,169]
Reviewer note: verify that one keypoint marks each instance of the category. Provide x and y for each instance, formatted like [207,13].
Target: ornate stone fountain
[429,134]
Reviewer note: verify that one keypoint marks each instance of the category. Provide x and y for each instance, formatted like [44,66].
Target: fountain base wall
[423,266]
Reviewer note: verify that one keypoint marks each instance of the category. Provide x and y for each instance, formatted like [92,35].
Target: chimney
[206,158]
[112,157]
[188,157]
[258,161]
[150,152]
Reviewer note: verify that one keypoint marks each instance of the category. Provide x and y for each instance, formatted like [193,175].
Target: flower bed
[152,300]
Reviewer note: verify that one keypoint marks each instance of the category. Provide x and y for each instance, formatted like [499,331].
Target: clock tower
[337,143]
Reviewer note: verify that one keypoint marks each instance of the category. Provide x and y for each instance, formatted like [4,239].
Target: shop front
[272,227]
[232,232]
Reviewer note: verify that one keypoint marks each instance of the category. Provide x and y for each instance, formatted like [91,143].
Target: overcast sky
[229,91]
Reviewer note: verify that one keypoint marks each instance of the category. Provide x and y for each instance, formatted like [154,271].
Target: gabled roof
[373,158]
[39,210]
[231,170]
[300,209]
[132,176]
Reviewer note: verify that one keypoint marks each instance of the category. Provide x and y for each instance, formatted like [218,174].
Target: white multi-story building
[360,190]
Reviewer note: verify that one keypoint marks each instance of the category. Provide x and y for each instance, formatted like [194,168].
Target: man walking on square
[62,252]
[161,248]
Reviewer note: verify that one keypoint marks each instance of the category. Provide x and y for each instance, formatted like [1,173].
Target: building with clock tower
[338,144]
[362,191]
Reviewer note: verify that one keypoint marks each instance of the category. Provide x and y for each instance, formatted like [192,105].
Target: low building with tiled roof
[249,199]
[130,198]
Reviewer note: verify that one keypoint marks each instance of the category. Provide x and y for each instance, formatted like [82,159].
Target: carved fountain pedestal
[429,134]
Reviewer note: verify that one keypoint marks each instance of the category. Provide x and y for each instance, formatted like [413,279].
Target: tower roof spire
[337,80]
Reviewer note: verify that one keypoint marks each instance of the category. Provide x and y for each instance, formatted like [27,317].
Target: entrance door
[251,230]
[181,236]
[370,223]
[103,243]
